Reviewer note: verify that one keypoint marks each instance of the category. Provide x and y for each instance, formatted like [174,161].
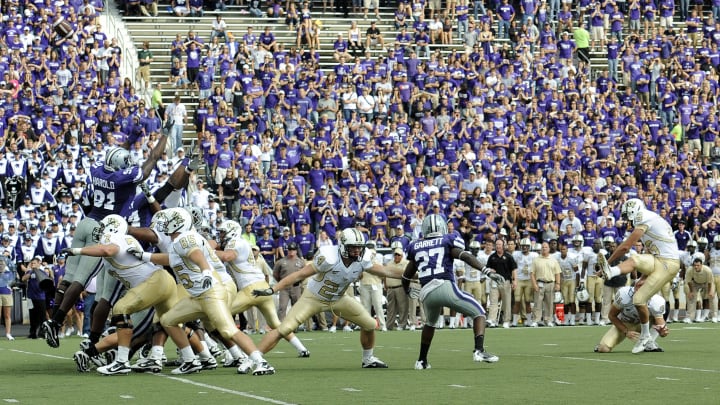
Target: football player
[207,298]
[148,285]
[626,320]
[714,262]
[524,290]
[114,185]
[594,282]
[569,280]
[699,280]
[686,261]
[240,262]
[334,270]
[474,283]
[660,263]
[431,258]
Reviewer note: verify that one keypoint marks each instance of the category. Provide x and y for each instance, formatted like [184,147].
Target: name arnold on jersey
[104,183]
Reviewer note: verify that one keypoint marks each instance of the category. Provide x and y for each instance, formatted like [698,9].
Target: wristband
[76,251]
[151,199]
[146,257]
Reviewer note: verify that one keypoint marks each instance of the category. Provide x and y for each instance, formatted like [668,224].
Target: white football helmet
[702,243]
[632,209]
[175,220]
[111,224]
[583,295]
[578,238]
[395,245]
[716,239]
[197,216]
[558,298]
[351,237]
[475,245]
[433,225]
[117,158]
[228,229]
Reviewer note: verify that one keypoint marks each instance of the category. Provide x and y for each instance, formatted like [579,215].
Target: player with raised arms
[431,258]
[333,270]
[114,184]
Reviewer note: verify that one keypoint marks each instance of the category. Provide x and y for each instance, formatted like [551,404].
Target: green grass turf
[545,365]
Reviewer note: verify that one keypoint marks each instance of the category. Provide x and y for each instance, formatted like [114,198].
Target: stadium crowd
[510,134]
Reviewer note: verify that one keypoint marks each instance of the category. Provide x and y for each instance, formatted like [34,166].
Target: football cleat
[188,367]
[147,365]
[99,360]
[110,356]
[640,344]
[263,368]
[304,353]
[216,351]
[652,347]
[485,356]
[82,361]
[115,368]
[373,362]
[85,344]
[231,362]
[51,330]
[245,366]
[604,266]
[209,364]
[332,329]
[347,328]
[422,365]
[687,320]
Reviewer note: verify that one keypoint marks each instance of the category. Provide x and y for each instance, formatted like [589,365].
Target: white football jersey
[687,259]
[128,269]
[714,261]
[582,254]
[568,265]
[472,274]
[523,264]
[190,274]
[164,242]
[592,260]
[658,239]
[244,268]
[333,277]
[628,313]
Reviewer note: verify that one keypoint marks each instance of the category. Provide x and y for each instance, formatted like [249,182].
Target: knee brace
[121,321]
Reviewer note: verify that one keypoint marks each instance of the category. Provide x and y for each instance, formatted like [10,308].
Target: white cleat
[506,325]
[687,320]
[263,368]
[245,366]
[485,356]
[422,365]
[640,344]
[115,368]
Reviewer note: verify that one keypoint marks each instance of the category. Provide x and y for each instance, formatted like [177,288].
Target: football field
[537,366]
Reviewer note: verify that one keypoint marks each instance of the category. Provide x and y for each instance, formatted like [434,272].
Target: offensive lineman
[333,270]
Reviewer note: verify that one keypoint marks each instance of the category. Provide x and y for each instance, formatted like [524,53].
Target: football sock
[186,354]
[705,313]
[205,352]
[59,316]
[653,334]
[515,319]
[368,353]
[424,349]
[297,344]
[256,356]
[122,354]
[94,337]
[235,352]
[614,271]
[156,352]
[480,343]
[645,329]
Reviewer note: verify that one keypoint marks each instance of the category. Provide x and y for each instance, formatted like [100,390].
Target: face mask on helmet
[197,216]
[176,220]
[433,226]
[351,244]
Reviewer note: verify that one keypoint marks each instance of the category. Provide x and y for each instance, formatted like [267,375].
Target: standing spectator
[283,268]
[7,278]
[36,295]
[177,113]
[145,57]
[582,40]
[397,299]
[506,14]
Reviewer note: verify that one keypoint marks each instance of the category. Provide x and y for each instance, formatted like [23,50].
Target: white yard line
[178,379]
[702,370]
